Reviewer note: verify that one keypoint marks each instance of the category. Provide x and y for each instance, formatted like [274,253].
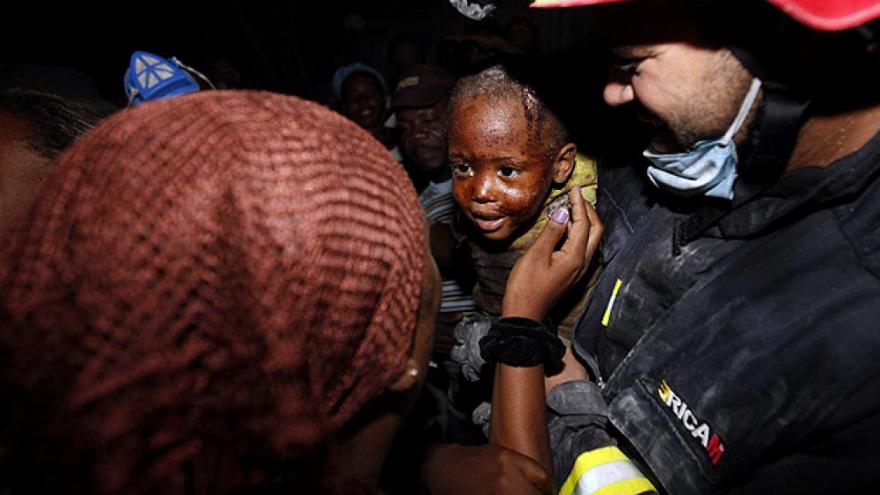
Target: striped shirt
[439,205]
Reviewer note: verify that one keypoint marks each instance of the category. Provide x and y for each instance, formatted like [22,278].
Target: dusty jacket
[736,346]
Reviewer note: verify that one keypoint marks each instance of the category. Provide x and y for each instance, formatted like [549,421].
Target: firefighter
[730,342]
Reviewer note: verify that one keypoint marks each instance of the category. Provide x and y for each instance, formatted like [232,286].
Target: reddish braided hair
[237,271]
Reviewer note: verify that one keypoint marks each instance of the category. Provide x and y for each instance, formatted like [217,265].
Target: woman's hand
[544,274]
[463,470]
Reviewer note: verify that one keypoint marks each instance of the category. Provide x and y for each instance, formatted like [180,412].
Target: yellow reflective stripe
[607,474]
[607,316]
[632,486]
[587,461]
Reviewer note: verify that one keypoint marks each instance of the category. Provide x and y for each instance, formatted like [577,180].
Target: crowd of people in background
[478,266]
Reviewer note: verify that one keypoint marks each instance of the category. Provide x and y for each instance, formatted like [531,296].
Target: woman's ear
[564,164]
[429,303]
[408,379]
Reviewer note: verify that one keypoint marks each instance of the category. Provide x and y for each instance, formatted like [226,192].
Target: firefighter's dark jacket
[737,346]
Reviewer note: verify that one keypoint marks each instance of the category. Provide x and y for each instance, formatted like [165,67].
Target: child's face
[500,180]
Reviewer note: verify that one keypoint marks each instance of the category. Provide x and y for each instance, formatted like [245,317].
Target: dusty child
[513,162]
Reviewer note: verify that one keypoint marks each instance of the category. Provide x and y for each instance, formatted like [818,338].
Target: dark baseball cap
[422,86]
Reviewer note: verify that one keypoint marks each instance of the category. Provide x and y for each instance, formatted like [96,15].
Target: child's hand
[543,274]
[572,369]
[442,243]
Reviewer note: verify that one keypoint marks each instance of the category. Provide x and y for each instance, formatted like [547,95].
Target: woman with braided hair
[218,293]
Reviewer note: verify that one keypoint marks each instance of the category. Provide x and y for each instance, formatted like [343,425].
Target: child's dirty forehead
[516,117]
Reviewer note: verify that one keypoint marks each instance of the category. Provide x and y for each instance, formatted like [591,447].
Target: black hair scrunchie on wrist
[521,342]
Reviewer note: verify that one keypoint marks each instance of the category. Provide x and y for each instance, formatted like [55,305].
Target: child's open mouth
[488,224]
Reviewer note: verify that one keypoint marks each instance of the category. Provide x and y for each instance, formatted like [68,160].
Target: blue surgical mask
[709,168]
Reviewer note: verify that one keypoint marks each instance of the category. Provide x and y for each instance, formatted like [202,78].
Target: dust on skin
[501,174]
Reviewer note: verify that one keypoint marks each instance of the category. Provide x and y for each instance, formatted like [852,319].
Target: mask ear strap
[744,108]
[130,89]
[772,138]
[193,71]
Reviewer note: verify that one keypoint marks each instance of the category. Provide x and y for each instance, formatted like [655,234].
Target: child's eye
[460,169]
[508,172]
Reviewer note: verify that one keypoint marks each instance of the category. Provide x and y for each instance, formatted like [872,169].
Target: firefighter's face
[684,91]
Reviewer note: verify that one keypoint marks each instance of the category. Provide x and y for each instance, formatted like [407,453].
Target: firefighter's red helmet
[824,15]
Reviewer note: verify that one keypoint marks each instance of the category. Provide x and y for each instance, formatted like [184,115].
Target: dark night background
[290,46]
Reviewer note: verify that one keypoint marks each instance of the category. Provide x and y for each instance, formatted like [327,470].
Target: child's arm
[442,242]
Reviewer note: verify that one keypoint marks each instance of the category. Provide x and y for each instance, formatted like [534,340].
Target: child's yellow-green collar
[584,175]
